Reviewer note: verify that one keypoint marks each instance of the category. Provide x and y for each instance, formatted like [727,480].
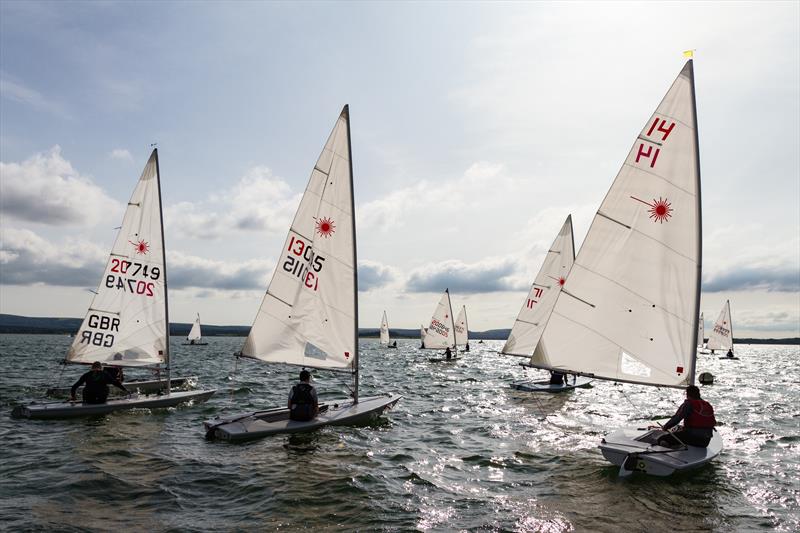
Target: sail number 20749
[303,263]
[134,270]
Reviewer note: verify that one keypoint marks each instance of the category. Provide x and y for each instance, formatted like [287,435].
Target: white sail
[126,323]
[439,334]
[701,331]
[308,315]
[721,337]
[628,310]
[422,331]
[547,284]
[462,329]
[195,333]
[384,330]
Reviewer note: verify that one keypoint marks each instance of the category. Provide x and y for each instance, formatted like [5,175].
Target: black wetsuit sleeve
[682,413]
[78,383]
[116,383]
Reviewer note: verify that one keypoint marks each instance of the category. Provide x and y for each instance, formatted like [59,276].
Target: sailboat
[127,322]
[721,337]
[195,337]
[462,329]
[536,309]
[440,334]
[701,332]
[309,314]
[628,309]
[385,340]
[422,331]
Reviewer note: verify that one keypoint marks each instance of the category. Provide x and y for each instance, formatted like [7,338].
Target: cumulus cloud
[45,189]
[186,271]
[26,259]
[778,320]
[782,278]
[121,154]
[490,275]
[373,275]
[260,201]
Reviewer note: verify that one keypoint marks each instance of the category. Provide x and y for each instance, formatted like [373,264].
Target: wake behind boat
[309,314]
[127,322]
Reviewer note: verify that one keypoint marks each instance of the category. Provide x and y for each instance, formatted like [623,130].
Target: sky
[476,129]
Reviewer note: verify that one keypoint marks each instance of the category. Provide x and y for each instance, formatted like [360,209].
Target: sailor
[115,372]
[466,348]
[447,353]
[95,385]
[394,344]
[303,404]
[556,377]
[698,422]
[730,353]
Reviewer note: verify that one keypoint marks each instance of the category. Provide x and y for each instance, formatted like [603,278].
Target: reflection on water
[460,451]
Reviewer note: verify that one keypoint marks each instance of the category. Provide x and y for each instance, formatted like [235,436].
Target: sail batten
[639,264]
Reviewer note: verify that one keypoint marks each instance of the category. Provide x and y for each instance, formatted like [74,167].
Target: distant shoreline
[23,325]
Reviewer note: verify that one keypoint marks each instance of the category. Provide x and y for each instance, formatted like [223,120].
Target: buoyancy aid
[702,415]
[302,402]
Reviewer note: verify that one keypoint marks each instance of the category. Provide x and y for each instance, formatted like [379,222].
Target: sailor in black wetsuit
[303,403]
[95,385]
[556,377]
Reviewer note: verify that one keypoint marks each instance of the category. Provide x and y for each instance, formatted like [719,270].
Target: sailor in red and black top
[698,421]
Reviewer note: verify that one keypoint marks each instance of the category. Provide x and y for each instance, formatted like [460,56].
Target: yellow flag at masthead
[688,53]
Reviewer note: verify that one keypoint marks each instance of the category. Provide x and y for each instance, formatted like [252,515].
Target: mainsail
[462,328]
[701,331]
[422,331]
[195,333]
[629,308]
[542,297]
[384,330]
[721,337]
[126,323]
[309,313]
[439,334]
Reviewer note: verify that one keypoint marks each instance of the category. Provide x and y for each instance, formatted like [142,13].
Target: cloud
[187,271]
[26,259]
[258,202]
[373,275]
[489,275]
[45,189]
[121,154]
[780,320]
[18,92]
[763,278]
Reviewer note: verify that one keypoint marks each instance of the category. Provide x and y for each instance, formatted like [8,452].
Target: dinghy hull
[142,387]
[545,386]
[637,447]
[276,421]
[77,409]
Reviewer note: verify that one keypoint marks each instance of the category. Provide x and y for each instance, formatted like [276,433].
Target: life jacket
[302,402]
[702,415]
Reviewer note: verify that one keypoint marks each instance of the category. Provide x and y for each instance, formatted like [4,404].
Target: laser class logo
[325,227]
[660,210]
[142,247]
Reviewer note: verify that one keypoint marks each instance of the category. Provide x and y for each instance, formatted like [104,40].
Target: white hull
[734,358]
[76,409]
[194,344]
[443,359]
[142,387]
[276,421]
[545,386]
[649,458]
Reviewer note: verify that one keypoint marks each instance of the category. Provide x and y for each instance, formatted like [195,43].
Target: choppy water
[461,451]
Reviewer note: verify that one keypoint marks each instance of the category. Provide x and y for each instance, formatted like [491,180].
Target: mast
[164,265]
[699,207]
[346,113]
[466,324]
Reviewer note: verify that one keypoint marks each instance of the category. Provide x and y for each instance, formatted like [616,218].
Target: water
[461,451]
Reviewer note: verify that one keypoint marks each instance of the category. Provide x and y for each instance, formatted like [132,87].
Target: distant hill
[63,326]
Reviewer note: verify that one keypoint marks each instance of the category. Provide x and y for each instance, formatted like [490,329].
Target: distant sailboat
[127,322]
[701,332]
[629,307]
[440,334]
[309,315]
[195,336]
[462,329]
[422,331]
[536,309]
[721,337]
[385,340]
